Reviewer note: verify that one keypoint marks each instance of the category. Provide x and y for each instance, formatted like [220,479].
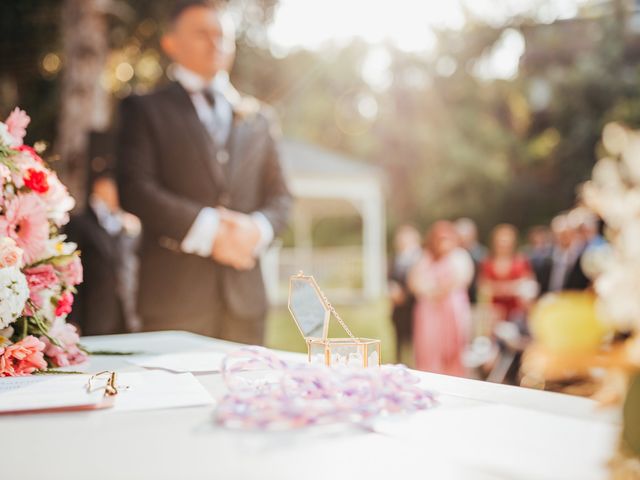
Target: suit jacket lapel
[197,132]
[241,147]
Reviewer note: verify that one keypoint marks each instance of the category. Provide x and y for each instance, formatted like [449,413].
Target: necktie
[213,125]
[222,155]
[209,97]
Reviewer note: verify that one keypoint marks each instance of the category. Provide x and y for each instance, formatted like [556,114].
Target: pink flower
[10,253]
[25,159]
[22,358]
[68,353]
[65,302]
[36,180]
[71,272]
[17,124]
[40,278]
[31,151]
[25,220]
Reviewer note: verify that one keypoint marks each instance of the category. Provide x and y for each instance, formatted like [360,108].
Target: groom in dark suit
[198,163]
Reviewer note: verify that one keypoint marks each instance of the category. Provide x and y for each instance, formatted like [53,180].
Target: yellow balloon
[568,322]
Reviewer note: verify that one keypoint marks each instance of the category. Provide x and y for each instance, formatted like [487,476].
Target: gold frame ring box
[312,313]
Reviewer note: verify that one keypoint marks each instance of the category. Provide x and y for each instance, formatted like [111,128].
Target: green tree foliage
[28,31]
[450,142]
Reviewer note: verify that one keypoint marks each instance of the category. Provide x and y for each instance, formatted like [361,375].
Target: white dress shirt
[217,121]
[110,221]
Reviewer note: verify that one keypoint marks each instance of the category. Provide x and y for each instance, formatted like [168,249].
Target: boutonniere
[245,108]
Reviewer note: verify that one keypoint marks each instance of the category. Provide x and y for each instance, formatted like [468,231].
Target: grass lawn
[371,320]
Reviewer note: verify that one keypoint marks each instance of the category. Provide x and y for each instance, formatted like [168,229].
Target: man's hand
[396,293]
[236,240]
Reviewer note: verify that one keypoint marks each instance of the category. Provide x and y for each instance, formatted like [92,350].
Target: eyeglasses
[110,386]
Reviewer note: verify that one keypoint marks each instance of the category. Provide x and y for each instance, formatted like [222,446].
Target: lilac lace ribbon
[268,393]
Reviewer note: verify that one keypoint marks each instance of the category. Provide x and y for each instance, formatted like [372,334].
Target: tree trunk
[84,102]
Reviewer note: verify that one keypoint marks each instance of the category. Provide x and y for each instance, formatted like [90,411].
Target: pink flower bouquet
[39,270]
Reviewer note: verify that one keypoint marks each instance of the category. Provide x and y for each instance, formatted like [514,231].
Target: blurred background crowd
[462,308]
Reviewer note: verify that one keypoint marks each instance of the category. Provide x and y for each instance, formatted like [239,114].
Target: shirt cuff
[266,232]
[203,231]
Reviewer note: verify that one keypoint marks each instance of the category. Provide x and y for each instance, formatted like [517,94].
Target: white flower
[606,174]
[632,202]
[6,138]
[5,173]
[48,310]
[14,293]
[615,138]
[10,253]
[58,200]
[617,206]
[631,158]
[628,241]
[617,290]
[596,260]
[67,248]
[614,193]
[57,246]
[23,161]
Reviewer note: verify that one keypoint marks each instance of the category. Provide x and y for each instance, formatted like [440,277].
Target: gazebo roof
[301,158]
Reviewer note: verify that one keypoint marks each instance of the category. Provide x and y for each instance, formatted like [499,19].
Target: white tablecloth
[478,431]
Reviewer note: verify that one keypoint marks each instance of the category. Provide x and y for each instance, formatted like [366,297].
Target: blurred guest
[442,314]
[107,238]
[407,253]
[468,233]
[538,249]
[597,249]
[199,164]
[563,269]
[589,227]
[506,277]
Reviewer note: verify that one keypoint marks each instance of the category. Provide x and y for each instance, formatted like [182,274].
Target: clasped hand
[236,240]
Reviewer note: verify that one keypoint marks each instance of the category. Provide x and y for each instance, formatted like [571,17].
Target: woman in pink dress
[442,315]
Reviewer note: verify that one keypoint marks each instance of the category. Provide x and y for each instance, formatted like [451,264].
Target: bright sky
[310,23]
[406,23]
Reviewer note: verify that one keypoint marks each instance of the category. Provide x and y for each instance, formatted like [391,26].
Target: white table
[479,431]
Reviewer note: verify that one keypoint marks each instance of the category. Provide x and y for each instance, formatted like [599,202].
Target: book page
[41,392]
[137,391]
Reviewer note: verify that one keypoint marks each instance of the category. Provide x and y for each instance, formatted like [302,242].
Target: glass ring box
[312,312]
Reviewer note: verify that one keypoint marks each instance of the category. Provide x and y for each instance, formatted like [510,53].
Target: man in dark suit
[562,270]
[107,238]
[198,164]
[407,252]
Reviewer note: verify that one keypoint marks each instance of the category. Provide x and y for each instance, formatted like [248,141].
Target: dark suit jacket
[167,173]
[97,306]
[575,279]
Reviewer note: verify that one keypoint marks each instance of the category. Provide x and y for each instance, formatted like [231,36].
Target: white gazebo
[329,185]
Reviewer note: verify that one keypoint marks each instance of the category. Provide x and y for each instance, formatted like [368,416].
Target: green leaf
[108,352]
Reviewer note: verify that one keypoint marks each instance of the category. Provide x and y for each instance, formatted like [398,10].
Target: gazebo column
[374,250]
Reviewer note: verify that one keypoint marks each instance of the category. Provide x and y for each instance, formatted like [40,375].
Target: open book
[124,391]
[57,393]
